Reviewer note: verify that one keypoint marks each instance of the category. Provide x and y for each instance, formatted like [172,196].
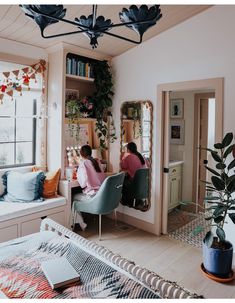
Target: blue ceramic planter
[217,261]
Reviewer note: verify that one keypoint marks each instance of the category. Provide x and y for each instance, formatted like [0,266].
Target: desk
[65,190]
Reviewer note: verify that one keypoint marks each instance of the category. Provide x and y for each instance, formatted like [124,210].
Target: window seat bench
[20,219]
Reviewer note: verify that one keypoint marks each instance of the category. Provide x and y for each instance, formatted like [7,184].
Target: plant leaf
[232,217]
[220,166]
[231,165]
[216,157]
[213,171]
[218,145]
[218,219]
[206,182]
[231,184]
[228,151]
[208,240]
[219,210]
[208,218]
[220,233]
[218,183]
[227,139]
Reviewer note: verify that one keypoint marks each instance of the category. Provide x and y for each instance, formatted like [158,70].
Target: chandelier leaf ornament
[138,19]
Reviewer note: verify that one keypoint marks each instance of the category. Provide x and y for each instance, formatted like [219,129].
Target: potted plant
[219,204]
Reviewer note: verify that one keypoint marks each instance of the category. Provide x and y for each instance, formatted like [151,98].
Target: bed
[103,274]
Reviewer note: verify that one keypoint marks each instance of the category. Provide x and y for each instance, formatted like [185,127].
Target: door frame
[162,133]
[197,98]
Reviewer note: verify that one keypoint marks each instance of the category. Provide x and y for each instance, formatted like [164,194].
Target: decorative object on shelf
[87,107]
[138,19]
[177,132]
[220,206]
[102,102]
[177,108]
[17,80]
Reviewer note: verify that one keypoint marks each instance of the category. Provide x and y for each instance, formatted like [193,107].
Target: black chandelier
[138,19]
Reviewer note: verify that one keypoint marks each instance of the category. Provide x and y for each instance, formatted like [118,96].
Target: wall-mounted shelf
[79,78]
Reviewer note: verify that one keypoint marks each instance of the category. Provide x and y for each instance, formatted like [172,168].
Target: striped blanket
[21,275]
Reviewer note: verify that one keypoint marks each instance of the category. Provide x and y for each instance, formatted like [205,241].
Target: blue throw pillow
[24,187]
[3,186]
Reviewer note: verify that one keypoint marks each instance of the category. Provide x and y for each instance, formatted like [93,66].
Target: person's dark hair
[131,146]
[86,153]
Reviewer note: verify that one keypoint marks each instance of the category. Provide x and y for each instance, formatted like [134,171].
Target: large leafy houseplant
[103,102]
[220,202]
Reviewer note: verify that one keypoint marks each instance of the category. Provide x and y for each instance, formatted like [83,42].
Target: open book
[59,272]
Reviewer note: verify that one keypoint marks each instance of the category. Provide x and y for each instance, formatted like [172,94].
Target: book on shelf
[59,272]
[77,67]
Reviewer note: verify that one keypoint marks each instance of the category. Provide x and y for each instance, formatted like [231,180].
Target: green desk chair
[105,201]
[140,185]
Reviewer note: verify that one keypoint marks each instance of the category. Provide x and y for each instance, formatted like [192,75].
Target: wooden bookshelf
[79,78]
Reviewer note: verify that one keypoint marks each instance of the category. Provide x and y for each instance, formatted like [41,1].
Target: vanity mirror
[136,126]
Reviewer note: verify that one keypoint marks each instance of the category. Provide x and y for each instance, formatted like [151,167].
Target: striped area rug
[193,232]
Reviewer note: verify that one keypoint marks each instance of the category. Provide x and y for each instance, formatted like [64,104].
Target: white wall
[200,48]
[185,151]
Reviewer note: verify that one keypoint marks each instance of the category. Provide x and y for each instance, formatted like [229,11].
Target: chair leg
[74,220]
[115,216]
[100,222]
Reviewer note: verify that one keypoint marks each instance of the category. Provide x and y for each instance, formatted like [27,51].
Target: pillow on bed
[51,183]
[26,187]
[3,185]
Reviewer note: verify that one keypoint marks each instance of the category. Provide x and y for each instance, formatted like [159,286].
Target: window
[19,133]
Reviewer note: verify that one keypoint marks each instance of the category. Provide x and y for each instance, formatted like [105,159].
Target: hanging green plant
[103,101]
[73,113]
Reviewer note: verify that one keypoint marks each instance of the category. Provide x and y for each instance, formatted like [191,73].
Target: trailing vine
[73,113]
[103,101]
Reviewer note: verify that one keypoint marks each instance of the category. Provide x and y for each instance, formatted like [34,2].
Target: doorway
[213,85]
[188,130]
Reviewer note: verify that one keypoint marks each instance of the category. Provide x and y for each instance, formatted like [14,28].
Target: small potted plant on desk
[220,203]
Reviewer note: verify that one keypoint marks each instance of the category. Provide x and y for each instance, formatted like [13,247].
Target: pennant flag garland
[11,81]
[1,97]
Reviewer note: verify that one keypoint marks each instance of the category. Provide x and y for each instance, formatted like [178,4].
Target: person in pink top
[130,163]
[90,177]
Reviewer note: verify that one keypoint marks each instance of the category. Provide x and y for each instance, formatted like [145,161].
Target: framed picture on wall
[177,108]
[84,137]
[177,132]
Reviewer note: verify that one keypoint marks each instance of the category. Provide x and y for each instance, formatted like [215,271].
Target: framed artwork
[71,94]
[177,108]
[177,132]
[84,137]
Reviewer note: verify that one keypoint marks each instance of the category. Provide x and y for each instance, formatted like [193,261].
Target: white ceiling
[14,25]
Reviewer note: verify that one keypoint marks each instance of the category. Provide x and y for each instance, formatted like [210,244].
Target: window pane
[6,129]
[6,154]
[24,129]
[7,108]
[24,153]
[24,104]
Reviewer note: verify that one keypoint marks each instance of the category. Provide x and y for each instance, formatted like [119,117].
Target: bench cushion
[11,210]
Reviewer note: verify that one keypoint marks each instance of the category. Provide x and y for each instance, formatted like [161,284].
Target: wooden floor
[171,259]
